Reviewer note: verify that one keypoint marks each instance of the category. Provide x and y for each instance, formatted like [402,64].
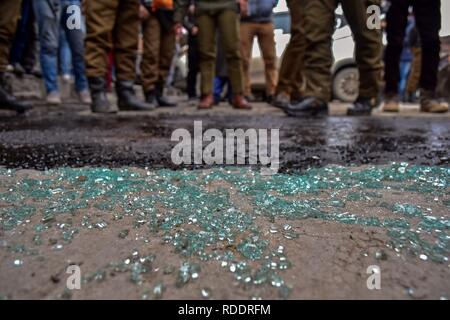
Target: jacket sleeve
[181,7]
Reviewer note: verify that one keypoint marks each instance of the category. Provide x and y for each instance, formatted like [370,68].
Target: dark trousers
[193,66]
[428,21]
[23,49]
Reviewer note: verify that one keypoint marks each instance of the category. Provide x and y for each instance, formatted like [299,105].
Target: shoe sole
[311,113]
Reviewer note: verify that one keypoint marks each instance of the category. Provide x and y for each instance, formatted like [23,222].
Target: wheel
[346,84]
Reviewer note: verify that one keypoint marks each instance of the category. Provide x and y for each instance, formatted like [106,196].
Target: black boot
[10,102]
[362,107]
[309,106]
[100,103]
[127,98]
[163,101]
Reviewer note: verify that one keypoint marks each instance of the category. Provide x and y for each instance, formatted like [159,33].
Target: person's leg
[266,41]
[64,55]
[368,53]
[291,69]
[396,20]
[125,39]
[193,67]
[414,76]
[405,67]
[247,36]
[318,56]
[228,23]
[8,21]
[368,46]
[100,18]
[207,49]
[75,39]
[20,38]
[48,18]
[166,53]
[151,31]
[428,20]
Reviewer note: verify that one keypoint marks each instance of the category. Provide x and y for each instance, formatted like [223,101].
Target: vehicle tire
[346,84]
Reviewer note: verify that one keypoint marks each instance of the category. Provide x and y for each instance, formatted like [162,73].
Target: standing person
[52,16]
[10,12]
[112,25]
[191,26]
[319,28]
[213,15]
[159,48]
[428,23]
[257,21]
[290,81]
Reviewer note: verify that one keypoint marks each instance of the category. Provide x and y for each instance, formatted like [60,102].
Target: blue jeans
[405,67]
[51,16]
[65,55]
[219,84]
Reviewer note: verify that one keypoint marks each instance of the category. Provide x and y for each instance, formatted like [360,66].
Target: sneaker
[85,97]
[391,104]
[54,98]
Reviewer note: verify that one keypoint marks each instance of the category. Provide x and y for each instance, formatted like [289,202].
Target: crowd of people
[220,39]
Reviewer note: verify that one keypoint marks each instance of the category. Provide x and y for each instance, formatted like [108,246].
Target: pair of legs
[264,32]
[226,21]
[319,58]
[112,25]
[53,17]
[428,23]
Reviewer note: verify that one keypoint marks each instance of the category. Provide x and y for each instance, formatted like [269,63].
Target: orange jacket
[163,4]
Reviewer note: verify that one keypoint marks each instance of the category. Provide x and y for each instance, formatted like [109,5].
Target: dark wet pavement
[71,136]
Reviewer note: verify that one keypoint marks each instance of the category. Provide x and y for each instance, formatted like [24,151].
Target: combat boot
[429,103]
[150,98]
[127,98]
[9,101]
[309,106]
[362,107]
[100,103]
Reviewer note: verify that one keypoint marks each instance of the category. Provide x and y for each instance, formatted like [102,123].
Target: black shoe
[309,106]
[127,98]
[100,103]
[9,101]
[163,101]
[362,107]
[281,101]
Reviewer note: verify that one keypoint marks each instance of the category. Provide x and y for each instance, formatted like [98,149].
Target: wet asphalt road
[70,135]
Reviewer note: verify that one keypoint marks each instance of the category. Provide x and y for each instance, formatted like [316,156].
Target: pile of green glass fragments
[196,211]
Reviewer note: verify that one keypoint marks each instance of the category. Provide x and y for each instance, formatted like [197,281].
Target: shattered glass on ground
[232,217]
